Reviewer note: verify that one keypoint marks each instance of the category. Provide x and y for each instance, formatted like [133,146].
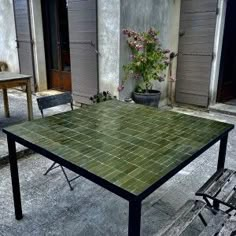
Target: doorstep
[223,108]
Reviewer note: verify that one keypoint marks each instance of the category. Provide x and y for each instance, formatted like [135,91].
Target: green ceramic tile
[129,145]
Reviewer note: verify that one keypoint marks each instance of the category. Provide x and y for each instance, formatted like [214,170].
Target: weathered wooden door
[56,38]
[24,39]
[196,42]
[83,48]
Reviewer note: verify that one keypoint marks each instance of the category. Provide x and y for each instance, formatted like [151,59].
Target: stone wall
[141,15]
[109,45]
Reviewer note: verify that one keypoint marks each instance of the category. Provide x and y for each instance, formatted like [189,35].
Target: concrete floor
[50,208]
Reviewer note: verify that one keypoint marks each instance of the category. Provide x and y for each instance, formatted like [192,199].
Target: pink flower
[139,47]
[120,88]
[131,56]
[131,44]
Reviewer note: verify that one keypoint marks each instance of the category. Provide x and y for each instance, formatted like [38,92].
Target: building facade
[78,45]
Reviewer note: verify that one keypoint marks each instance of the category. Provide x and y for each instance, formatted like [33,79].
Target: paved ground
[50,208]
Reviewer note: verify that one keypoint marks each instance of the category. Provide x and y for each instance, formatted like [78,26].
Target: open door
[56,39]
[227,76]
[196,42]
[83,46]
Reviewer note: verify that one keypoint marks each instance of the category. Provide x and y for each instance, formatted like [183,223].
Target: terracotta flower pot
[151,98]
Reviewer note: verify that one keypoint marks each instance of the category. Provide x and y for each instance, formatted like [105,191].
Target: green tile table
[128,149]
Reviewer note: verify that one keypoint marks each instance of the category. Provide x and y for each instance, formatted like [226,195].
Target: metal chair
[49,102]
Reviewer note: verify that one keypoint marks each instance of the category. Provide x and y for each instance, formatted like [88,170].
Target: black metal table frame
[135,202]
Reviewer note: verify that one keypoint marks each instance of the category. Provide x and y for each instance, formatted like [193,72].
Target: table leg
[222,152]
[134,218]
[29,100]
[14,177]
[221,160]
[6,104]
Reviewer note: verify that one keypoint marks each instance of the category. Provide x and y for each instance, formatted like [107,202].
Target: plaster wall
[8,50]
[109,45]
[140,15]
[39,52]
[113,17]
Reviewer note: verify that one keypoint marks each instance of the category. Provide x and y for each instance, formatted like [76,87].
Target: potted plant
[148,62]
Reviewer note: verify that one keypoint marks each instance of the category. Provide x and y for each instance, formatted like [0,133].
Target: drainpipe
[32,47]
[171,81]
[17,42]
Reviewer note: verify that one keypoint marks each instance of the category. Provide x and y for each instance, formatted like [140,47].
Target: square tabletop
[10,76]
[131,146]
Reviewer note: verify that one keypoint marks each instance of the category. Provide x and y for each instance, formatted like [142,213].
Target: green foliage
[148,60]
[102,97]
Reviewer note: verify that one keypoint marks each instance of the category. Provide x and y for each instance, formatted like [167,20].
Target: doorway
[227,77]
[56,40]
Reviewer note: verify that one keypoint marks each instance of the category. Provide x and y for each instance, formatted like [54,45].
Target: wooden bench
[219,224]
[221,188]
[229,227]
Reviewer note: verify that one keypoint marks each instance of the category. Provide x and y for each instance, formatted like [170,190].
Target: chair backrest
[54,100]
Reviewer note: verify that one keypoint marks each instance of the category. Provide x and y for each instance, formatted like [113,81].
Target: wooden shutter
[82,16]
[196,42]
[24,38]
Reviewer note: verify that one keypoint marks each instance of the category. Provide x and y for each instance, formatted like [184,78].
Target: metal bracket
[213,56]
[181,33]
[24,41]
[93,45]
[17,43]
[90,42]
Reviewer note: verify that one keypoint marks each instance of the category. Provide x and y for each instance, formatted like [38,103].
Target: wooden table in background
[10,80]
